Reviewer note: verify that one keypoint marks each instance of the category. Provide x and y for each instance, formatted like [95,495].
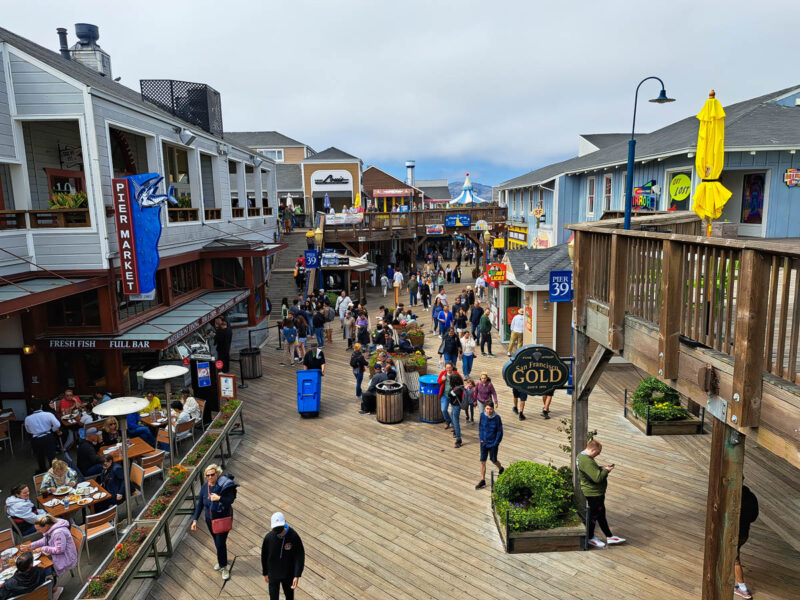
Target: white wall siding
[71,250]
[37,92]
[18,244]
[6,137]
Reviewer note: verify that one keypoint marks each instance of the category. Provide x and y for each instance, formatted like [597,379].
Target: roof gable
[331,153]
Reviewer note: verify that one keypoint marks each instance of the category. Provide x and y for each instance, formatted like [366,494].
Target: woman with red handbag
[215,502]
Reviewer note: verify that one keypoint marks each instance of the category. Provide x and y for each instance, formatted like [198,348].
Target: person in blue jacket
[490,433]
[445,320]
[216,502]
[140,431]
[113,481]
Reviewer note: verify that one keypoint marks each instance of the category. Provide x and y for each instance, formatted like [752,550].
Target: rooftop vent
[195,103]
[87,51]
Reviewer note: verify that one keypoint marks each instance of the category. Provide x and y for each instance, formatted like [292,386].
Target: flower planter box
[558,539]
[221,422]
[689,426]
[192,460]
[416,369]
[124,571]
[174,496]
[417,340]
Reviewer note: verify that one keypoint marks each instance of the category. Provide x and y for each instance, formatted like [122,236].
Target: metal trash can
[389,404]
[250,363]
[430,410]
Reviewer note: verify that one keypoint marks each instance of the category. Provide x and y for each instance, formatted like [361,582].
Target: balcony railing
[59,217]
[237,212]
[213,214]
[13,219]
[183,215]
[254,211]
[267,211]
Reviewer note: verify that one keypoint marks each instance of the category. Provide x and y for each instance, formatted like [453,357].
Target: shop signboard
[528,319]
[480,225]
[344,261]
[137,215]
[560,286]
[330,259]
[311,259]
[392,193]
[536,371]
[511,312]
[496,273]
[434,230]
[203,374]
[226,384]
[499,243]
[344,219]
[644,197]
[792,178]
[459,220]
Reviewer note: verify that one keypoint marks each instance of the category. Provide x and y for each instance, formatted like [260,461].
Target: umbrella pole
[125,471]
[169,421]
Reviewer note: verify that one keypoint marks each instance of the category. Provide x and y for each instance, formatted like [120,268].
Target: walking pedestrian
[282,558]
[485,328]
[485,393]
[435,312]
[475,314]
[342,304]
[451,347]
[223,336]
[398,283]
[44,429]
[359,364]
[290,338]
[747,514]
[445,320]
[546,400]
[314,360]
[215,503]
[519,403]
[594,481]
[318,320]
[445,385]
[425,293]
[440,280]
[467,353]
[517,328]
[490,434]
[460,399]
[384,284]
[413,288]
[349,328]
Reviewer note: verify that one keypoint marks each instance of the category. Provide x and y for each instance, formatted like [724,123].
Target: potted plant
[416,335]
[416,362]
[656,409]
[65,201]
[533,509]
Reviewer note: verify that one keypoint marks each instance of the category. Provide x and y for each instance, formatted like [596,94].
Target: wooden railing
[704,289]
[237,212]
[183,215]
[254,211]
[60,217]
[212,214]
[13,219]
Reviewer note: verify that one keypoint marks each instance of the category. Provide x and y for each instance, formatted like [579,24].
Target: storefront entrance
[512,300]
[748,203]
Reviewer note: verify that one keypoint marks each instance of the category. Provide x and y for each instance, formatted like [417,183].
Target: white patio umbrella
[165,373]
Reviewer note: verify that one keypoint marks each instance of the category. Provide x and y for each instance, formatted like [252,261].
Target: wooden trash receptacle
[389,402]
[430,411]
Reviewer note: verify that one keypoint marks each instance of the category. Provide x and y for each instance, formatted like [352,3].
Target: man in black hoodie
[26,579]
[282,558]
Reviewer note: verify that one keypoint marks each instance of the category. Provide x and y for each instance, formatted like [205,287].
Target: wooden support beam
[350,249]
[672,282]
[752,302]
[722,510]
[617,292]
[581,276]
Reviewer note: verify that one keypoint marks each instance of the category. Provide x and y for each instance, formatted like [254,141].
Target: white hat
[278,520]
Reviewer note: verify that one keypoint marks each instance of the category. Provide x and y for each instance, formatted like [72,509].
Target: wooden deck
[390,511]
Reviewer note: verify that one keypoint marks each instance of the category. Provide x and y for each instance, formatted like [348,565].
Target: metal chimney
[62,42]
[88,52]
[410,164]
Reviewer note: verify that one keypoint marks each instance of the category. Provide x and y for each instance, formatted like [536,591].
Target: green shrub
[537,496]
[664,402]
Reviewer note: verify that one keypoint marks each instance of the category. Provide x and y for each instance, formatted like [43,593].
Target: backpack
[330,314]
[353,360]
[289,334]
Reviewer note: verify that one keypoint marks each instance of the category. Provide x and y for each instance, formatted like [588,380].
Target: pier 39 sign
[536,371]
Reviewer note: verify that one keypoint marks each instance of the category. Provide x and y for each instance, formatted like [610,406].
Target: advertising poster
[457,220]
[203,374]
[434,230]
[753,198]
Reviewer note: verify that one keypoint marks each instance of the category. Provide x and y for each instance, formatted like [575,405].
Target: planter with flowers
[169,496]
[202,451]
[230,411]
[655,409]
[113,574]
[416,362]
[416,335]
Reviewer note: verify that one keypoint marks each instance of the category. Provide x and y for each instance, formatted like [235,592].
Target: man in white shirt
[43,427]
[398,283]
[480,285]
[517,327]
[342,302]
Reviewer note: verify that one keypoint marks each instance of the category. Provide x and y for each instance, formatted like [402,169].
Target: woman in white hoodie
[21,510]
[467,353]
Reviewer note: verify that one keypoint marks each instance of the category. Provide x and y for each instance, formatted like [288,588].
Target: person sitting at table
[59,475]
[89,462]
[112,480]
[26,579]
[183,415]
[100,397]
[190,405]
[154,404]
[56,542]
[20,509]
[140,431]
[111,433]
[68,403]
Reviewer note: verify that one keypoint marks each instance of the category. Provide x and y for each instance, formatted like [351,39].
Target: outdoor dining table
[44,561]
[137,448]
[155,422]
[59,511]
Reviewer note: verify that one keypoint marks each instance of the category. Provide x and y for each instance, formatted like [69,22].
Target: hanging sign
[680,187]
[496,273]
[792,177]
[480,225]
[434,230]
[644,198]
[330,259]
[536,371]
[137,214]
[560,286]
[203,374]
[528,319]
[499,243]
[457,220]
[311,259]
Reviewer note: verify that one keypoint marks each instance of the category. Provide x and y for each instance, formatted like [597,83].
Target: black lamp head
[662,98]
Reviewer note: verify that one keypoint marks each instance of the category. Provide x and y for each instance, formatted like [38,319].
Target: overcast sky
[494,88]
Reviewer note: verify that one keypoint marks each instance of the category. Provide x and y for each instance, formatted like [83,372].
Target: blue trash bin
[309,390]
[430,410]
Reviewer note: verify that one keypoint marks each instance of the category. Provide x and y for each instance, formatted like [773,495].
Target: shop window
[185,278]
[233,178]
[607,186]
[753,185]
[6,193]
[275,154]
[228,273]
[207,177]
[679,190]
[78,310]
[128,152]
[176,171]
[130,308]
[258,271]
[530,200]
[238,314]
[590,191]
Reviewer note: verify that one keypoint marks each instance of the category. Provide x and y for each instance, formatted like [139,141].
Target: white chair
[100,524]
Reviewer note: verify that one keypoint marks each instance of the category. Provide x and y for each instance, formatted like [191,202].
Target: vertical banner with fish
[137,213]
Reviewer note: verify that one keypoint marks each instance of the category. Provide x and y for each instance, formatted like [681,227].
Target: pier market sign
[536,371]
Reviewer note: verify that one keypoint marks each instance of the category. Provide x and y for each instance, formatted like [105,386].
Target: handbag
[222,525]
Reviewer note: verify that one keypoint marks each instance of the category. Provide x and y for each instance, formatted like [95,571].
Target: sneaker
[447,426]
[547,414]
[742,593]
[481,484]
[596,543]
[283,364]
[508,353]
[522,417]
[614,539]
[217,567]
[226,574]
[458,444]
[500,472]
[515,410]
[363,412]
[491,356]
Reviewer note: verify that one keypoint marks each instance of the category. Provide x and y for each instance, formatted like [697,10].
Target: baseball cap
[277,520]
[92,431]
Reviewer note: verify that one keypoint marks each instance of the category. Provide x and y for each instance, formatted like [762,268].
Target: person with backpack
[330,315]
[282,558]
[747,514]
[215,502]
[318,320]
[460,399]
[290,337]
[485,329]
[359,364]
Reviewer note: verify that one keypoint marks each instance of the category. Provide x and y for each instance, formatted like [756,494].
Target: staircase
[281,280]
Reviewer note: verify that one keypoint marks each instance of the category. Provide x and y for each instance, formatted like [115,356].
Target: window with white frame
[607,186]
[530,200]
[623,189]
[275,154]
[590,192]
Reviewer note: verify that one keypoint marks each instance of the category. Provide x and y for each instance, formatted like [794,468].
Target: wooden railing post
[669,332]
[617,292]
[582,276]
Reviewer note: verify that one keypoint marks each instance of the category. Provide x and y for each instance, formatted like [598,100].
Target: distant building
[437,192]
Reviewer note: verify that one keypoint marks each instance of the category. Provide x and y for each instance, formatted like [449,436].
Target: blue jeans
[456,414]
[474,331]
[445,405]
[359,378]
[143,432]
[93,470]
[450,358]
[320,333]
[220,543]
[412,298]
[466,364]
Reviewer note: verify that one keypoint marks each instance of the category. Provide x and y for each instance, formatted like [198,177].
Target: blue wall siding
[6,137]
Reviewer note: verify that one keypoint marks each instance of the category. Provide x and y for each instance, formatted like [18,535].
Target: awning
[160,332]
[19,295]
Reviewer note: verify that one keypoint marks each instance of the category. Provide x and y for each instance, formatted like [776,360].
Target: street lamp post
[318,235]
[662,99]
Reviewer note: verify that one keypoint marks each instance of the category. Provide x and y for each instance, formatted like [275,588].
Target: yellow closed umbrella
[357,203]
[710,196]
